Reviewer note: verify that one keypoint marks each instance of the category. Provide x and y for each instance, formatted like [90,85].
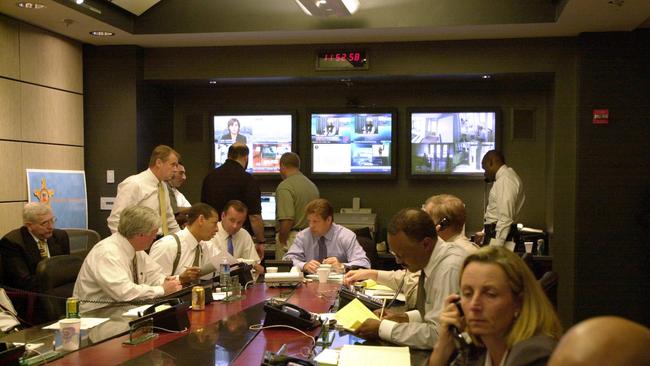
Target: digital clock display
[342,60]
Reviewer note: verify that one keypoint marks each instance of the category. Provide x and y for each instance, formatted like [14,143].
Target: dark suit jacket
[534,351]
[20,256]
[240,138]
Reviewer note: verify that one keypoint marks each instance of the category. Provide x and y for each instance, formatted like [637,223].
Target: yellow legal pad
[353,355]
[373,285]
[353,314]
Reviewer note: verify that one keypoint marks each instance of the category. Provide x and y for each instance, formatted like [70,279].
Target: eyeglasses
[51,221]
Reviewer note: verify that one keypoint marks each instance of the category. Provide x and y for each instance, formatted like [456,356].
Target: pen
[381,315]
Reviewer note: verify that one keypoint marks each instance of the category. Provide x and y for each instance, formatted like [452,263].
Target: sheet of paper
[353,314]
[136,312]
[216,296]
[86,323]
[29,346]
[329,357]
[372,285]
[353,355]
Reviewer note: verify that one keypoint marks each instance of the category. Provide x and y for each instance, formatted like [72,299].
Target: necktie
[322,249]
[162,202]
[231,247]
[42,248]
[197,256]
[172,198]
[135,270]
[422,297]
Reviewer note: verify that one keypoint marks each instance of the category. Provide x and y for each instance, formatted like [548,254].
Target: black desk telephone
[283,313]
[346,295]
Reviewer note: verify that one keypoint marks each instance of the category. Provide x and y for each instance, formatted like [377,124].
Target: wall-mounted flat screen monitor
[451,142]
[267,135]
[348,144]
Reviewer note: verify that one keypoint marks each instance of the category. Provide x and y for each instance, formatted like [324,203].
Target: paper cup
[528,245]
[70,330]
[323,274]
[271,269]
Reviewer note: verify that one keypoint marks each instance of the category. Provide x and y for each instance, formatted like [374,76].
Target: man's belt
[490,231]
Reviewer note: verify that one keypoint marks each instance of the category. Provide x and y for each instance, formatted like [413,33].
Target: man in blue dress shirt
[325,242]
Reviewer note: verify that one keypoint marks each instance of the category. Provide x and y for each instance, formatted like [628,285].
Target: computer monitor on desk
[268,208]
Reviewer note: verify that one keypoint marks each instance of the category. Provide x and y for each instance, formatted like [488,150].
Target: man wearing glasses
[24,247]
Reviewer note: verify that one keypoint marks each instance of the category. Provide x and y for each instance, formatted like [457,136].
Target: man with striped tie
[184,253]
[325,242]
[232,238]
[24,247]
[148,189]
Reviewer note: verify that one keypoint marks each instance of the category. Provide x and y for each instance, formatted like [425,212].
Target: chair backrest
[82,240]
[549,282]
[57,276]
[368,244]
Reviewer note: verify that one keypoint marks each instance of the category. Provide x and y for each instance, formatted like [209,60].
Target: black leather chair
[57,276]
[368,244]
[549,282]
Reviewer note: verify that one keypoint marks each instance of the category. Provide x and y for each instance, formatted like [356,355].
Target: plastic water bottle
[224,277]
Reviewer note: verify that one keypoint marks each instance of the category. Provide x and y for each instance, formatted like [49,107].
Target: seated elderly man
[603,341]
[231,238]
[24,247]
[118,269]
[325,242]
[184,253]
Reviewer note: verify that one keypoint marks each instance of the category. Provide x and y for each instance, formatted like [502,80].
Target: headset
[444,223]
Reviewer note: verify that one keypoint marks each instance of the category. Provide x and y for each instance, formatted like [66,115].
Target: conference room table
[216,335]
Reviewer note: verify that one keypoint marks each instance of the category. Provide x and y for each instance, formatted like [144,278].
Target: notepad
[329,357]
[353,314]
[373,285]
[353,355]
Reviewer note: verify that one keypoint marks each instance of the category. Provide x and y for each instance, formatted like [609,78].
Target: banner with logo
[64,191]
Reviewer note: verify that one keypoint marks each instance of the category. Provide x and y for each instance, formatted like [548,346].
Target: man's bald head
[606,340]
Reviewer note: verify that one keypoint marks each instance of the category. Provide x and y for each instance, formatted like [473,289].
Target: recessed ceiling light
[213,82]
[486,76]
[28,5]
[101,34]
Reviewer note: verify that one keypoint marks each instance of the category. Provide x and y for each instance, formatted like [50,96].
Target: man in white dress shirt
[117,268]
[180,204]
[413,241]
[504,202]
[231,238]
[449,215]
[148,189]
[185,252]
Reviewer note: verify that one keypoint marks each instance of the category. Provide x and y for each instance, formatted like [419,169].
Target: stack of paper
[329,357]
[353,314]
[86,323]
[352,355]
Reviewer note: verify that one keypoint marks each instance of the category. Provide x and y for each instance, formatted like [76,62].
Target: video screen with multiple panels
[451,142]
[267,136]
[346,144]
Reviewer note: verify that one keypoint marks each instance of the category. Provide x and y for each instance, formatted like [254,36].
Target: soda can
[72,308]
[198,298]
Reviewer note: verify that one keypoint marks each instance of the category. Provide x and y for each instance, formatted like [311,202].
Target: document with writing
[353,314]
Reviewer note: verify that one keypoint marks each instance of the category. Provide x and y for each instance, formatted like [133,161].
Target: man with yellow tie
[148,189]
[24,247]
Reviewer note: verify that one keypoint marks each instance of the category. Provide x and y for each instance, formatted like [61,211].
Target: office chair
[549,282]
[24,300]
[364,238]
[57,276]
[82,240]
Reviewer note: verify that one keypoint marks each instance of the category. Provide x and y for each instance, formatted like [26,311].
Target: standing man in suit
[229,182]
[148,189]
[24,247]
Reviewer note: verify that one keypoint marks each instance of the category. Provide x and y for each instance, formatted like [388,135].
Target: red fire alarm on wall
[600,116]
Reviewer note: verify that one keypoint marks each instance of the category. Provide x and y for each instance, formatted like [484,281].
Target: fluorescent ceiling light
[324,8]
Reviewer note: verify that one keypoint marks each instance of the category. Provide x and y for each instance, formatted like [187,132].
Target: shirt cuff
[384,277]
[386,329]
[414,316]
[158,291]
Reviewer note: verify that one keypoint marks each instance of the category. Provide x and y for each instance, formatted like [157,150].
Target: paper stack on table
[353,314]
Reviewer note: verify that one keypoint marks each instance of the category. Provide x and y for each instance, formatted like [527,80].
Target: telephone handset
[444,223]
[283,313]
[459,339]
